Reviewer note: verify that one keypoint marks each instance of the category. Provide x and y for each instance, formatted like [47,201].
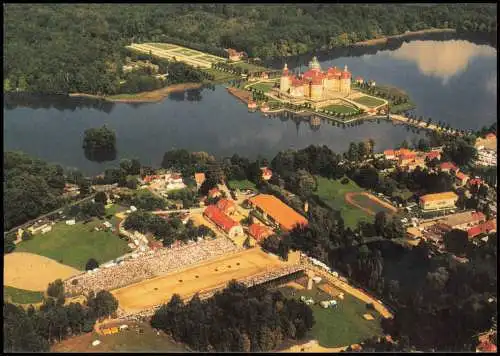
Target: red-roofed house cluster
[223,221]
[410,159]
[315,84]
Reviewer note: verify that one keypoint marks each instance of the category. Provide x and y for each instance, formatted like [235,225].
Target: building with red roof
[491,136]
[433,154]
[475,181]
[359,80]
[259,232]
[390,154]
[448,166]
[266,173]
[461,178]
[315,84]
[484,228]
[227,206]
[214,193]
[486,346]
[222,221]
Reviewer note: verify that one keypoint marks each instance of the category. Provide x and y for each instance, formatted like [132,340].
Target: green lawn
[21,296]
[341,109]
[220,76]
[340,326]
[265,87]
[241,184]
[166,46]
[186,52]
[369,101]
[73,245]
[332,192]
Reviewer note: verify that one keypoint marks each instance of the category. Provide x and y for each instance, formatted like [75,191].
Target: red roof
[266,171]
[475,181]
[213,191]
[486,346]
[433,154]
[359,78]
[483,228]
[259,232]
[491,136]
[448,165]
[410,155]
[462,176]
[296,81]
[225,204]
[219,218]
[389,152]
[345,75]
[316,81]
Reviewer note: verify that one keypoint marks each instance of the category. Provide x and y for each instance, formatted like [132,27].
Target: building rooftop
[259,232]
[281,213]
[467,217]
[448,165]
[219,218]
[225,205]
[438,196]
[199,178]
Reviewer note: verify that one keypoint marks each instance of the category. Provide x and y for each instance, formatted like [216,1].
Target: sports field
[73,245]
[341,109]
[369,101]
[369,203]
[21,296]
[182,54]
[340,326]
[332,192]
[203,277]
[33,272]
[241,184]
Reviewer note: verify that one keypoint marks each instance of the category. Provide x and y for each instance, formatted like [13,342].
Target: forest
[35,329]
[236,319]
[70,48]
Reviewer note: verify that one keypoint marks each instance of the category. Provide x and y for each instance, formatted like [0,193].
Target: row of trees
[236,319]
[166,230]
[34,330]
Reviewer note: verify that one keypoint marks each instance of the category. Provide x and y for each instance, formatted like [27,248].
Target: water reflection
[442,59]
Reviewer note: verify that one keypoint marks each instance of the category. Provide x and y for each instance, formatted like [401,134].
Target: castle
[315,84]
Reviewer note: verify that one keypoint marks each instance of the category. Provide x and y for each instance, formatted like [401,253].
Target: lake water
[453,81]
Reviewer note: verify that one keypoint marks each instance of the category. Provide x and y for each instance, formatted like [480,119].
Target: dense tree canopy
[99,144]
[64,48]
[236,319]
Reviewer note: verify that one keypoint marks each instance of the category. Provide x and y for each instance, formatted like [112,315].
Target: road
[49,213]
[422,125]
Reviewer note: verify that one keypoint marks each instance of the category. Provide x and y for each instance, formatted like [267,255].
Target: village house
[266,173]
[214,193]
[448,167]
[277,212]
[464,220]
[461,178]
[223,222]
[174,181]
[484,228]
[234,55]
[438,201]
[359,80]
[227,206]
[259,232]
[199,179]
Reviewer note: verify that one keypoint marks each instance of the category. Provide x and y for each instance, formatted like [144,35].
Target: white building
[486,157]
[70,222]
[174,181]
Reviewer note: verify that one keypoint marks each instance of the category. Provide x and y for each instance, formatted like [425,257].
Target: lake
[451,80]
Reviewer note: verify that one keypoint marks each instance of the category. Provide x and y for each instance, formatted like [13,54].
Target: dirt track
[200,278]
[33,272]
[349,199]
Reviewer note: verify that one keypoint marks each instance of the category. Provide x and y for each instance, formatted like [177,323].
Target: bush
[344,181]
[91,264]
[370,306]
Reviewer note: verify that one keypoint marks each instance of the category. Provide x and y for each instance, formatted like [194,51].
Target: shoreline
[142,97]
[385,39]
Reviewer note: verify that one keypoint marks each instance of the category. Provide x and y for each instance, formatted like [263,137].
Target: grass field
[73,245]
[332,192]
[21,296]
[368,203]
[340,326]
[220,76]
[209,58]
[166,46]
[33,272]
[212,274]
[186,52]
[265,87]
[129,340]
[369,101]
[341,109]
[242,184]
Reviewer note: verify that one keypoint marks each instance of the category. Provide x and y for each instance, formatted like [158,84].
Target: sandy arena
[33,272]
[200,278]
[349,199]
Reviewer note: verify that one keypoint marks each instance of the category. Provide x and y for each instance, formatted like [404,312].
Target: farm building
[277,211]
[224,222]
[259,232]
[438,201]
[227,206]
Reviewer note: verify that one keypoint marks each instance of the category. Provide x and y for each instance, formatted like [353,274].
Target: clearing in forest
[33,272]
[369,203]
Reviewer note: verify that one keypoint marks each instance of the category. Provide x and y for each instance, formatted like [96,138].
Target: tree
[56,289]
[26,235]
[104,304]
[380,222]
[19,332]
[91,264]
[456,241]
[99,144]
[101,197]
[8,244]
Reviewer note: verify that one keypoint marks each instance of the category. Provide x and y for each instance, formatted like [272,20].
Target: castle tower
[345,81]
[314,64]
[285,80]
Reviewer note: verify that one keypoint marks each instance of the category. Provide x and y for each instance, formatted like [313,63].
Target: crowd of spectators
[146,265]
